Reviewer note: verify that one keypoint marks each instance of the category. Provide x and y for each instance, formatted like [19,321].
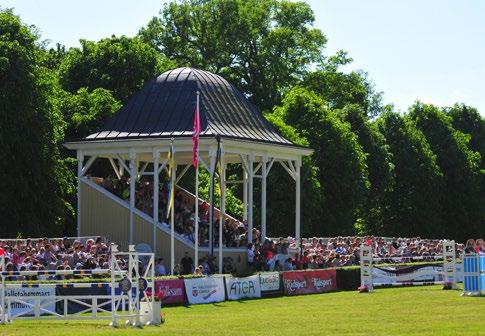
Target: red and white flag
[195,134]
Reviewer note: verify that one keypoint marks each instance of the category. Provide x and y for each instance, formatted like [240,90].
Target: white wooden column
[245,193]
[133,173]
[172,216]
[250,197]
[80,160]
[263,196]
[156,160]
[297,201]
[211,199]
[222,209]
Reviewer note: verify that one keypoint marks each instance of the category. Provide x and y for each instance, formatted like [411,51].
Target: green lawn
[396,311]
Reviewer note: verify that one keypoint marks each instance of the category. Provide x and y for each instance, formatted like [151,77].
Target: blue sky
[430,50]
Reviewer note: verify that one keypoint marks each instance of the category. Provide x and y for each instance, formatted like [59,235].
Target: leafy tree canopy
[120,64]
[264,47]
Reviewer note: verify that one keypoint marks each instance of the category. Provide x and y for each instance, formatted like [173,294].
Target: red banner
[172,291]
[308,282]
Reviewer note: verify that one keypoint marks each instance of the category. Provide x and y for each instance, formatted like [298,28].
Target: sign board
[25,296]
[269,281]
[309,282]
[240,288]
[171,291]
[205,290]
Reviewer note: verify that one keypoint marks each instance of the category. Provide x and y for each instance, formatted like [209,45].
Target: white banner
[205,290]
[240,288]
[20,298]
[269,281]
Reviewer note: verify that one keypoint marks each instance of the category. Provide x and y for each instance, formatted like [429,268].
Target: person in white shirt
[251,254]
[160,268]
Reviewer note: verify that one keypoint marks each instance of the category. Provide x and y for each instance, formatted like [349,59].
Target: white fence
[126,289]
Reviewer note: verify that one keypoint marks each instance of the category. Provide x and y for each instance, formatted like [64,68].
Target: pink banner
[172,291]
[308,282]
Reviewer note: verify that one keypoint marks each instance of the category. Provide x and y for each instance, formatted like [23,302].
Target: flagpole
[196,254]
[172,214]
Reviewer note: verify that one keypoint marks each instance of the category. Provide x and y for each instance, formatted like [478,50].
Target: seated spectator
[160,268]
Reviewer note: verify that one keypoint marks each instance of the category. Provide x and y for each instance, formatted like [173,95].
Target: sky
[430,50]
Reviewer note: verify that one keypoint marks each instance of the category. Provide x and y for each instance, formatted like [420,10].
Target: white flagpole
[196,254]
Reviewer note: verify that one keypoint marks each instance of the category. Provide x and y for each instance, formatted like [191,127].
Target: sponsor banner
[308,282]
[26,296]
[172,291]
[269,281]
[390,275]
[205,290]
[240,288]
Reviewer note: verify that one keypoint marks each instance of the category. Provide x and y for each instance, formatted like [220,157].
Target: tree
[85,112]
[467,120]
[31,127]
[339,160]
[339,89]
[264,47]
[379,163]
[120,64]
[414,202]
[461,208]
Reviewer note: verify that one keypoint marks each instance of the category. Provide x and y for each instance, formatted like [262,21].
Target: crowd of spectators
[283,253]
[55,254]
[234,232]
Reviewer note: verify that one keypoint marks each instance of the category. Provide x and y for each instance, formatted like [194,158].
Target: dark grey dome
[165,108]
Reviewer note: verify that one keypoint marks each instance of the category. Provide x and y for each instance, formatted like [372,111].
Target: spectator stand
[132,283]
[448,273]
[474,274]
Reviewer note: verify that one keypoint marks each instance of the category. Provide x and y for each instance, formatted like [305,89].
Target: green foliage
[85,112]
[31,126]
[341,169]
[264,47]
[414,203]
[379,163]
[339,89]
[461,208]
[120,64]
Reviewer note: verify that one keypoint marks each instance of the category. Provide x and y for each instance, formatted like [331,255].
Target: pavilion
[138,137]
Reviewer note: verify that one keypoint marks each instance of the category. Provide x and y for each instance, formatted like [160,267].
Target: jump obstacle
[474,274]
[127,288]
[448,273]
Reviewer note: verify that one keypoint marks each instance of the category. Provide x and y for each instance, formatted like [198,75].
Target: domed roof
[165,106]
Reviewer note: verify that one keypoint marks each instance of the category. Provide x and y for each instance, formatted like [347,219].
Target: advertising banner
[308,282]
[205,290]
[172,291]
[269,281]
[240,288]
[22,297]
[413,273]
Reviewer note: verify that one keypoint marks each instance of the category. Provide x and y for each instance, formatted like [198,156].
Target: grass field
[395,311]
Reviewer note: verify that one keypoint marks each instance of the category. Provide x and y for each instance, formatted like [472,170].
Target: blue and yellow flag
[171,182]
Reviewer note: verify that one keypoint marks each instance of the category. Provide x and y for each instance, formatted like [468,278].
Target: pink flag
[195,135]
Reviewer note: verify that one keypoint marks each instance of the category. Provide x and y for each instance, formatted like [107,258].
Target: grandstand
[157,122]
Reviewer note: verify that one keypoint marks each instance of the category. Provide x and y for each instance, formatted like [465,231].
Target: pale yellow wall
[102,216]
